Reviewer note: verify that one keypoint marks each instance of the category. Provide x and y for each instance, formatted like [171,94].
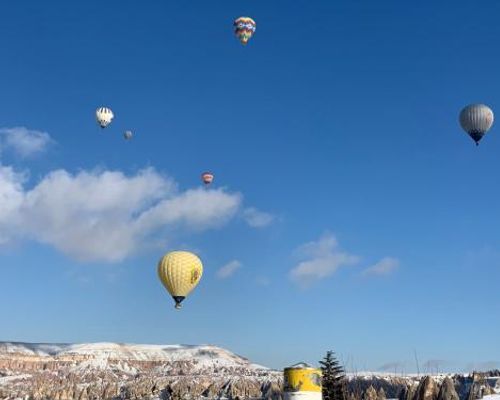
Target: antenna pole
[416,360]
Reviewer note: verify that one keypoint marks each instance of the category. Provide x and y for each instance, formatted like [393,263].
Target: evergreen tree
[333,381]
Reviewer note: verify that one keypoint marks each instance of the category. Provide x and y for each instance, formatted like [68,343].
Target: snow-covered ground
[205,355]
[389,375]
[10,378]
[392,375]
[97,368]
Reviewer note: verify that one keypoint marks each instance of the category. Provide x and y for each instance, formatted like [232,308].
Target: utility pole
[416,360]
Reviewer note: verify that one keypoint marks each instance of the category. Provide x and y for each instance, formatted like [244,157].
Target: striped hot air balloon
[476,120]
[244,28]
[207,178]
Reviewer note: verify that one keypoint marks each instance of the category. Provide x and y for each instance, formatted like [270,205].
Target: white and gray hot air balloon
[104,116]
[476,120]
[128,135]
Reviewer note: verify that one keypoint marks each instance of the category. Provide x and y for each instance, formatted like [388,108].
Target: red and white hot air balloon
[207,178]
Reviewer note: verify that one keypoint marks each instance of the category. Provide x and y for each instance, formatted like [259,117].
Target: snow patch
[98,355]
[11,378]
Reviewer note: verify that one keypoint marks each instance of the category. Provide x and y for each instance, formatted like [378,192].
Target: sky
[348,211]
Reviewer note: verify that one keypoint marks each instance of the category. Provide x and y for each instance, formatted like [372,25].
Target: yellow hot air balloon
[180,272]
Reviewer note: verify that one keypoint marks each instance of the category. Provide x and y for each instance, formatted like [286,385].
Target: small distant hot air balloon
[104,116]
[207,178]
[180,272]
[476,120]
[244,28]
[128,135]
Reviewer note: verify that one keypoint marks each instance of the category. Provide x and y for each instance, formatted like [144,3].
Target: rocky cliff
[119,371]
[453,387]
[112,371]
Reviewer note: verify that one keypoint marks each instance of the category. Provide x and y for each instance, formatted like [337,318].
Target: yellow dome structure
[302,382]
[180,272]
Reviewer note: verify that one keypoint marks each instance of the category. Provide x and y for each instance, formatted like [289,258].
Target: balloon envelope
[104,116]
[207,178]
[180,272]
[244,28]
[476,120]
[128,135]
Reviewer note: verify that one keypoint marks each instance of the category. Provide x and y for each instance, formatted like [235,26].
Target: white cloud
[256,218]
[196,209]
[322,259]
[228,270]
[11,199]
[384,267]
[23,141]
[105,215]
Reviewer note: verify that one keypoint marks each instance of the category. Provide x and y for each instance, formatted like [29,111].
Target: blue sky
[334,131]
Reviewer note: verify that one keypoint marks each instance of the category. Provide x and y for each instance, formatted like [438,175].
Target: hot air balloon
[244,28]
[104,116]
[128,135]
[207,178]
[180,272]
[476,120]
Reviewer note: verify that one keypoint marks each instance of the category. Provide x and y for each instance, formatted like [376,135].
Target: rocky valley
[175,372]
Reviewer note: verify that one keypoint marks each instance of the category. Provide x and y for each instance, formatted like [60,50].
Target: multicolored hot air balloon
[104,116]
[207,178]
[244,28]
[180,272]
[476,120]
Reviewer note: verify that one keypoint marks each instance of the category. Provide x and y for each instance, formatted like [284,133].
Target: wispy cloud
[229,269]
[256,218]
[483,257]
[385,266]
[482,366]
[106,215]
[434,365]
[322,259]
[392,366]
[262,281]
[23,141]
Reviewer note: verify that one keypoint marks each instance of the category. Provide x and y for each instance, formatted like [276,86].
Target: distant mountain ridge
[205,354]
[110,370]
[116,371]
